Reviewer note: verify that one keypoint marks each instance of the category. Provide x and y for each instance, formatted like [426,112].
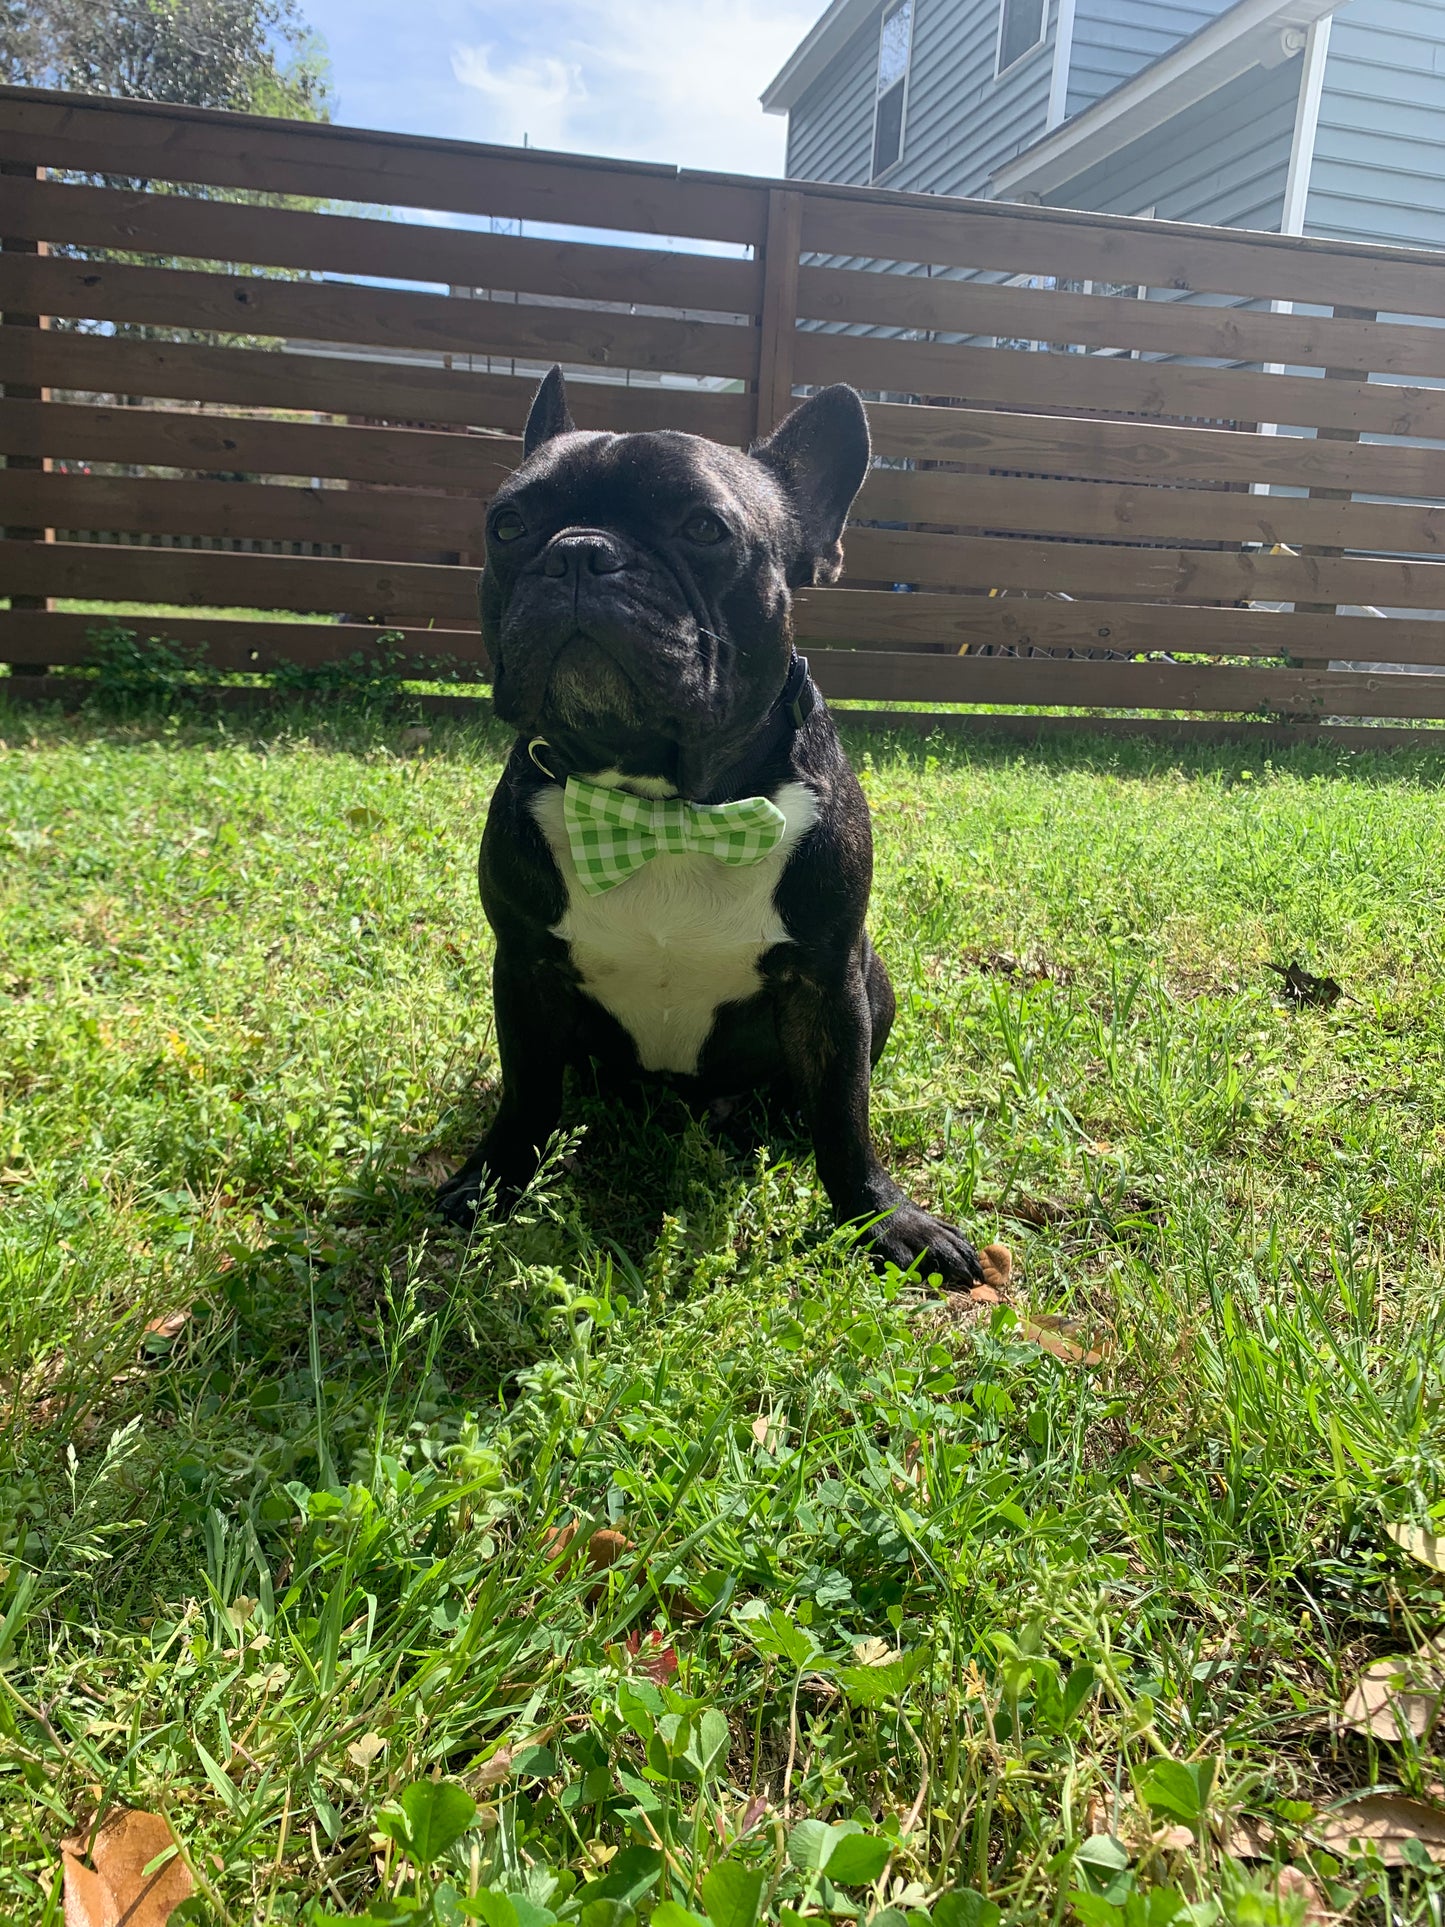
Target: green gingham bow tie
[613,833]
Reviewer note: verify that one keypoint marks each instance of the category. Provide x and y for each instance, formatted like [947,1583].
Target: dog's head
[636,602]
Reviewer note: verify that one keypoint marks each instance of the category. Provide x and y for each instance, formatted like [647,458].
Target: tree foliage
[256,56]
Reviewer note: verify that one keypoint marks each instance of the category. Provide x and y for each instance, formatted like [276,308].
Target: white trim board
[1063,58]
[1253,33]
[813,53]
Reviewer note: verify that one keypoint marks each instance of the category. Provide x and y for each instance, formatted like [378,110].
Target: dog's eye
[507,525]
[704,528]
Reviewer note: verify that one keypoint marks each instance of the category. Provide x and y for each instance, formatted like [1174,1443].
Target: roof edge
[827,37]
[1252,33]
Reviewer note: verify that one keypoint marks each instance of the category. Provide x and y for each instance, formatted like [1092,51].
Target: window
[1020,30]
[895,45]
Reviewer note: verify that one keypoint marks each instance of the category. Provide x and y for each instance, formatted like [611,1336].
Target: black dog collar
[797,702]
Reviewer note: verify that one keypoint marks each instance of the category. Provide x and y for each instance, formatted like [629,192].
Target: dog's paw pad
[997,1266]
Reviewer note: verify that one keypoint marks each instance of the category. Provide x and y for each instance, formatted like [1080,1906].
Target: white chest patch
[682,936]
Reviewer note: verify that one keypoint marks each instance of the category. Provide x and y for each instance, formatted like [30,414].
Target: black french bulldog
[636,607]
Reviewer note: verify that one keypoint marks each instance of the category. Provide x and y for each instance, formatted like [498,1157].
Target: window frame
[875,173]
[1000,71]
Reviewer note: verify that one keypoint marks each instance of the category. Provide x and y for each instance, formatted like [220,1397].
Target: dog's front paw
[912,1239]
[490,1182]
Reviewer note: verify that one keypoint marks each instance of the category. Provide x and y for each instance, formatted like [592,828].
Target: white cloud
[662,80]
[535,96]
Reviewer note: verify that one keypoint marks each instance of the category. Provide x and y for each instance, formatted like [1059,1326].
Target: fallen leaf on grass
[1398,1696]
[769,1431]
[170,1325]
[362,1752]
[125,1883]
[1420,1544]
[1175,1839]
[1301,988]
[1052,1334]
[603,1548]
[495,1769]
[1388,1822]
[1250,1839]
[1294,1883]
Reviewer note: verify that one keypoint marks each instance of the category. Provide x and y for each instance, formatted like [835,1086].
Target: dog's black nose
[583,552]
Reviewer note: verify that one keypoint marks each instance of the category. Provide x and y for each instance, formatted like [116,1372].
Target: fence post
[25,391]
[1333,494]
[779,320]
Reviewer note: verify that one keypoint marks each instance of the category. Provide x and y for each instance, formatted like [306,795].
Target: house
[1295,116]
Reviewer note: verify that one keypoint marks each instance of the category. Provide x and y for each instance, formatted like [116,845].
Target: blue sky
[655,80]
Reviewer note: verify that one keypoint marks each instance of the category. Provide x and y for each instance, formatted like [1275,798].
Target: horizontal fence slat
[875,619]
[100,571]
[915,301]
[1150,451]
[1122,512]
[206,147]
[1182,575]
[242,511]
[373,317]
[860,676]
[1008,377]
[206,230]
[29,635]
[1151,254]
[230,444]
[1180,731]
[339,385]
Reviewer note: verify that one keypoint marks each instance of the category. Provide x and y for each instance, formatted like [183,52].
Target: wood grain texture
[357,316]
[327,384]
[210,578]
[245,510]
[1123,685]
[1150,254]
[257,647]
[1114,385]
[178,226]
[1235,334]
[207,147]
[1159,574]
[925,622]
[1033,506]
[230,444]
[1149,451]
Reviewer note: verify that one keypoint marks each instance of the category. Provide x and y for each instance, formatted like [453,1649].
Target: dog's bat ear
[549,414]
[820,454]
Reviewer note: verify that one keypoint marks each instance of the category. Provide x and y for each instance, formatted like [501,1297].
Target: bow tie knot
[613,833]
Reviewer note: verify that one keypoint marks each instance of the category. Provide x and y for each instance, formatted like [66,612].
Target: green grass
[1015,1616]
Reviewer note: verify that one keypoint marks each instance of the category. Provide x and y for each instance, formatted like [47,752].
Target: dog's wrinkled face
[636,600]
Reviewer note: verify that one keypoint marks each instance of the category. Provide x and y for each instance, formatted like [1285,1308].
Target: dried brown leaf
[1388,1822]
[1420,1544]
[170,1325]
[1052,1334]
[984,1295]
[495,1769]
[362,1752]
[1174,1839]
[117,1888]
[1250,1839]
[604,1548]
[1399,1696]
[1295,1883]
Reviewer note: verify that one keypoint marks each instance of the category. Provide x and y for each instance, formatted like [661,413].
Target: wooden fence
[1233,453]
